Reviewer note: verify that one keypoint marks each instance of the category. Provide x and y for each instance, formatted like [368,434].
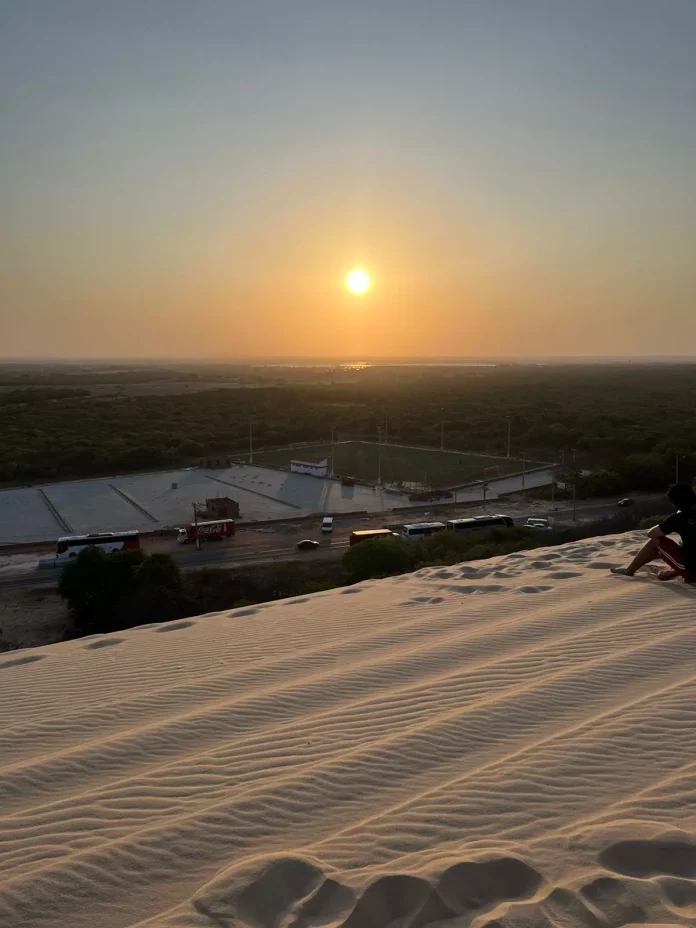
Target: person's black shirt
[683,523]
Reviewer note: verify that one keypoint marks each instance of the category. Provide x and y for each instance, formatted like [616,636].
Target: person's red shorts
[671,553]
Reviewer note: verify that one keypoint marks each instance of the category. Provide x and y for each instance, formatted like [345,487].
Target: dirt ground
[30,617]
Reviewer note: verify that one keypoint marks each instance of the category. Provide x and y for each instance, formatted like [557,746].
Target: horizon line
[321,360]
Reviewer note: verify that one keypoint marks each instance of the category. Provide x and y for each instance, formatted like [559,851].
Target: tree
[94,582]
[647,471]
[156,595]
[106,592]
[600,483]
[158,570]
[378,558]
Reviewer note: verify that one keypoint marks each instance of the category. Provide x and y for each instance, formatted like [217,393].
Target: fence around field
[414,467]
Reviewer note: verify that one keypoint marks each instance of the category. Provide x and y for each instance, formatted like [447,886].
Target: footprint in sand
[289,891]
[646,859]
[295,893]
[481,588]
[681,893]
[393,900]
[174,627]
[469,572]
[18,661]
[469,886]
[613,899]
[103,643]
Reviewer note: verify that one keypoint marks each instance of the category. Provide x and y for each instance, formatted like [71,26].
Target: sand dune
[509,744]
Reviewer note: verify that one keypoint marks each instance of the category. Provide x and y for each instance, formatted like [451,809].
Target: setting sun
[358,282]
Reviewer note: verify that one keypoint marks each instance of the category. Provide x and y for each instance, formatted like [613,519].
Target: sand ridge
[509,744]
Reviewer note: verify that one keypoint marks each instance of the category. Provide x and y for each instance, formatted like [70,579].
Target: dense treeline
[35,396]
[630,422]
[74,375]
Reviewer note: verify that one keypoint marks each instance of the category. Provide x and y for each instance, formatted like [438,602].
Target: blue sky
[514,175]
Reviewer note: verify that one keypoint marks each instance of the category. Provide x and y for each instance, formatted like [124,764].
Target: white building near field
[315,466]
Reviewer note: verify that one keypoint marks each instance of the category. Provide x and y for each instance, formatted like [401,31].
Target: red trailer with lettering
[217,529]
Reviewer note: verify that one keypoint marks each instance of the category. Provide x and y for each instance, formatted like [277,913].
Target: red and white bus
[216,528]
[70,545]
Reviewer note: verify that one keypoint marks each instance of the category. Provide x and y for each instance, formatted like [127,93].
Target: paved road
[191,560]
[598,509]
[228,557]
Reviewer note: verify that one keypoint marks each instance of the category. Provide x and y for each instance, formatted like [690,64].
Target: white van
[327,525]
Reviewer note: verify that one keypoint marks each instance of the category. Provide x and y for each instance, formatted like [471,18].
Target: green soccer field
[430,468]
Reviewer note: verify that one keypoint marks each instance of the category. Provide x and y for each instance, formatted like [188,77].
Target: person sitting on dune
[680,558]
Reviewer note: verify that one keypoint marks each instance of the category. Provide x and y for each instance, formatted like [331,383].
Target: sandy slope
[507,744]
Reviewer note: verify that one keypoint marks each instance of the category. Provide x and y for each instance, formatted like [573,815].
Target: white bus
[71,545]
[422,529]
[479,522]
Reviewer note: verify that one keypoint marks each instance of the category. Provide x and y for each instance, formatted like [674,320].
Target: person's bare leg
[647,553]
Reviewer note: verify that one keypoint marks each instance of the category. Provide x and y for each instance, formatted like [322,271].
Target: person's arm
[666,527]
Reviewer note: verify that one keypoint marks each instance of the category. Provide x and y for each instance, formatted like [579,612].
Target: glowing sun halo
[358,282]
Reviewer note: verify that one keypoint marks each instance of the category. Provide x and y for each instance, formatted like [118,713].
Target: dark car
[307,544]
[626,502]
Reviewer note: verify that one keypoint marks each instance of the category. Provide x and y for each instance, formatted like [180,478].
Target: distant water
[351,364]
[361,365]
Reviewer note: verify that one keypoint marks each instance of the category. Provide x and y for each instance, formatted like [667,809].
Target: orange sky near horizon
[198,184]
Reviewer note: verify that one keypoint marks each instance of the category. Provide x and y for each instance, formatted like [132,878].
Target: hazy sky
[196,177]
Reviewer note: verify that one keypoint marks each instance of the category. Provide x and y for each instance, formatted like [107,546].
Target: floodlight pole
[251,443]
[442,430]
[574,501]
[509,433]
[195,522]
[379,458]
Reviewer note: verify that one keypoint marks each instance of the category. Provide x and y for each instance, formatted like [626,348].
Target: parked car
[626,502]
[307,544]
[539,524]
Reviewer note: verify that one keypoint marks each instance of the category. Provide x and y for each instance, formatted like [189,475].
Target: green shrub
[482,551]
[106,592]
[379,558]
[317,586]
[650,521]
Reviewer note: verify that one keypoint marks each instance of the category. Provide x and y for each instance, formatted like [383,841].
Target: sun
[358,282]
